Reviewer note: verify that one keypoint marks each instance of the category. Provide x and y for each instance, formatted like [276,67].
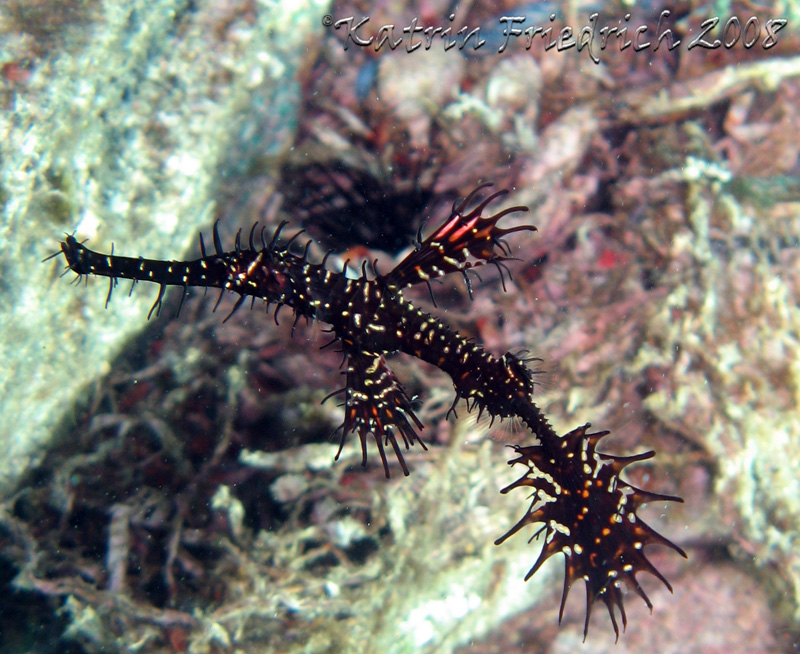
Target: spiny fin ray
[376,403]
[463,241]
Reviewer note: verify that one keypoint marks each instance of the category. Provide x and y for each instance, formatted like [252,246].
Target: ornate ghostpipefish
[587,511]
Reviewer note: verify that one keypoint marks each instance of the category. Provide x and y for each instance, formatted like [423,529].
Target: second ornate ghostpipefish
[586,511]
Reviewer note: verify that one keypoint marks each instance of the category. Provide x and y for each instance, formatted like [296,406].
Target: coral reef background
[170,486]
